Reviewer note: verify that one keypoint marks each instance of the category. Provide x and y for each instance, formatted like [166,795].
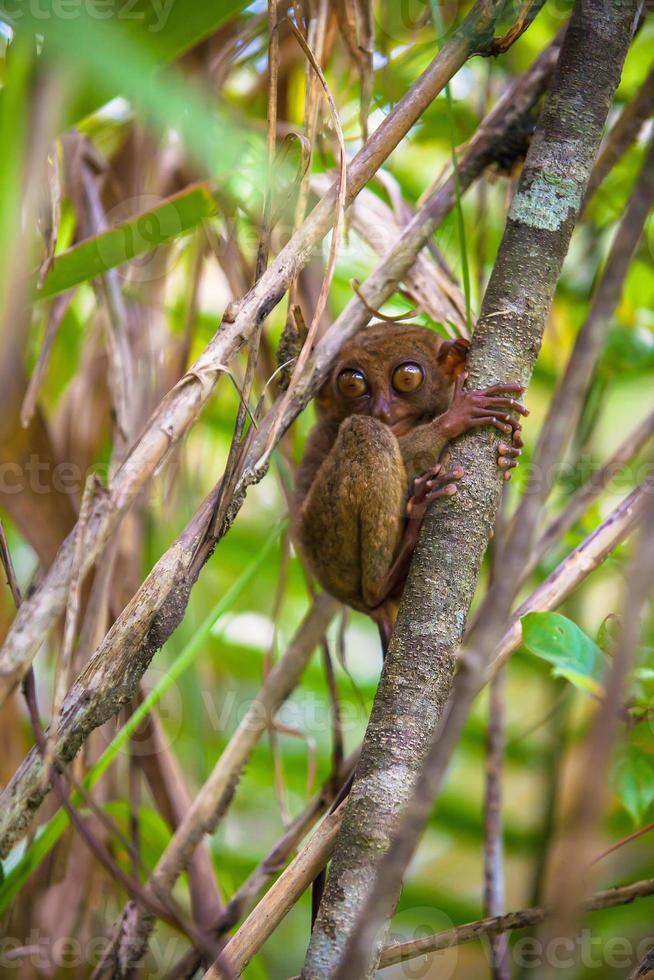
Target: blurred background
[118,122]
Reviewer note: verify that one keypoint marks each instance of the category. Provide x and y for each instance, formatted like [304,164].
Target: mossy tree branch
[419,668]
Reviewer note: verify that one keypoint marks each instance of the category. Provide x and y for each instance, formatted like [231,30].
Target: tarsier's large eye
[352,383]
[408,377]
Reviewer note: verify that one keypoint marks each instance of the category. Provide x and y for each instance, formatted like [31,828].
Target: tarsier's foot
[489,406]
[432,484]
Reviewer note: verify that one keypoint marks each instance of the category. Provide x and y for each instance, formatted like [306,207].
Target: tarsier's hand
[431,485]
[488,406]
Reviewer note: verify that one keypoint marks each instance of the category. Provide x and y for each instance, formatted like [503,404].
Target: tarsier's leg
[436,482]
[351,520]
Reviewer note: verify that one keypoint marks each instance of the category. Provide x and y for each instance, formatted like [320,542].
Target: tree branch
[366,876]
[499,924]
[111,677]
[136,923]
[181,406]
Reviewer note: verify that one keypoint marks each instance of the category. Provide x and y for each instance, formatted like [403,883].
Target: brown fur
[358,469]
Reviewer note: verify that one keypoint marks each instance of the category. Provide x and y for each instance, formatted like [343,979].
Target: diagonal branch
[136,923]
[498,925]
[181,406]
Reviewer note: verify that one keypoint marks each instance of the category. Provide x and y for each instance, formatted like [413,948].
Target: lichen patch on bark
[547,203]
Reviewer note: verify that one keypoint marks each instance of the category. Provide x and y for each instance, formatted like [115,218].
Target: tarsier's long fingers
[491,406]
[454,474]
[495,420]
[424,484]
[431,485]
[511,404]
[507,458]
[501,389]
[430,474]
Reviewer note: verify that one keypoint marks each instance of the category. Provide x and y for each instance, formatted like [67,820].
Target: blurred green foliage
[114,72]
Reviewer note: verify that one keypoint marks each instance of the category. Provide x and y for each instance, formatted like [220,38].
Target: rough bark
[419,668]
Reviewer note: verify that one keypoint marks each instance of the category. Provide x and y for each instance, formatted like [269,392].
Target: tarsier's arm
[423,446]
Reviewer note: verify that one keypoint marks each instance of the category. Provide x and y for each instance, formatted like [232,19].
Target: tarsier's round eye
[352,383]
[408,377]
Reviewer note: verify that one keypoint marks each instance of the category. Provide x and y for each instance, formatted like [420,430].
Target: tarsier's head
[396,372]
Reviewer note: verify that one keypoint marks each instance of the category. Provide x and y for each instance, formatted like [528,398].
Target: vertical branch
[65,659]
[495,745]
[232,467]
[8,565]
[367,870]
[567,402]
[493,850]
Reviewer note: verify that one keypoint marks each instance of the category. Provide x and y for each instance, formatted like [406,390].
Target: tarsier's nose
[380,407]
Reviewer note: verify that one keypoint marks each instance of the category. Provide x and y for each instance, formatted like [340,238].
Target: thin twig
[590,490]
[623,134]
[211,802]
[235,454]
[244,899]
[283,895]
[497,925]
[8,565]
[56,314]
[339,218]
[648,828]
[493,845]
[65,659]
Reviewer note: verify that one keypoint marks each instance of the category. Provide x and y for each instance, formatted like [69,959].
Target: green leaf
[634,782]
[108,59]
[13,134]
[171,27]
[572,653]
[174,216]
[607,634]
[642,687]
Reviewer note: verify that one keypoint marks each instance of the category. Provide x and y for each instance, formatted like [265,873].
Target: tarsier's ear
[452,356]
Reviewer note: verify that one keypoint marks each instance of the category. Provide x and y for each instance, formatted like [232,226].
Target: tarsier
[375,460]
